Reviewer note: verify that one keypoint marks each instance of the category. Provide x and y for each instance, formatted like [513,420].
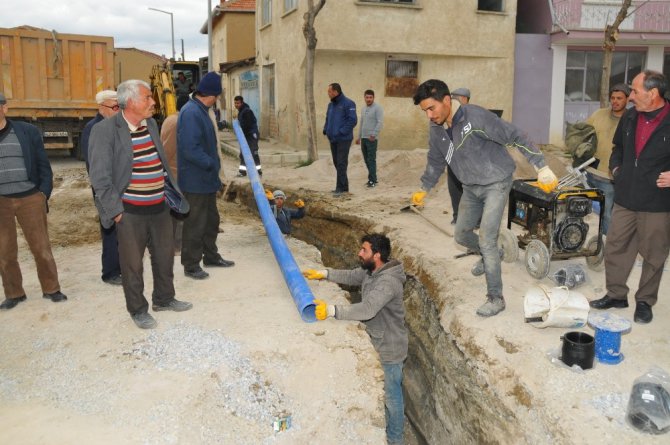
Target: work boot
[493,305]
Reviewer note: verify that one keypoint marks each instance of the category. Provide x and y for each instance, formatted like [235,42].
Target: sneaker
[55,297]
[478,268]
[196,273]
[174,305]
[493,306]
[114,281]
[144,320]
[370,184]
[10,303]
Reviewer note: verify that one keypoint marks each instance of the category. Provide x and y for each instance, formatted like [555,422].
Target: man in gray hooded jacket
[473,142]
[382,311]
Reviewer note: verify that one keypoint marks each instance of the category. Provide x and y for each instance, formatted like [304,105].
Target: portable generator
[555,225]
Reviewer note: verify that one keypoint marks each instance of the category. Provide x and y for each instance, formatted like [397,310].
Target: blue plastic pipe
[300,291]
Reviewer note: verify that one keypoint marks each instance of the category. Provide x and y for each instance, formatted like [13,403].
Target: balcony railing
[644,16]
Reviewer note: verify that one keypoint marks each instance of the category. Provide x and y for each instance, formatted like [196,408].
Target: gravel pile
[242,389]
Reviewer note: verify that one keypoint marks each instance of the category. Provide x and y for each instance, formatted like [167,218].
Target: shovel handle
[433,223]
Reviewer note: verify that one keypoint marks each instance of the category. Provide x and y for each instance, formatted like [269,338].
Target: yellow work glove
[323,310]
[299,203]
[313,274]
[546,179]
[269,195]
[417,198]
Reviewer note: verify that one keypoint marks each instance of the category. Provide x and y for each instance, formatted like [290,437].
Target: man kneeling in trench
[382,310]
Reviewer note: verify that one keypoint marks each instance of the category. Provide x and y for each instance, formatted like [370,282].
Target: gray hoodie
[478,154]
[381,308]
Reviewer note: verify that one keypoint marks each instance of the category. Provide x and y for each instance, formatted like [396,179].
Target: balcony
[588,15]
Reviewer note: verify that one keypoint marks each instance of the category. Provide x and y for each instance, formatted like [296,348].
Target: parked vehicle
[50,80]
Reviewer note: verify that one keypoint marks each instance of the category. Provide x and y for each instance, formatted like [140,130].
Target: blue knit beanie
[210,85]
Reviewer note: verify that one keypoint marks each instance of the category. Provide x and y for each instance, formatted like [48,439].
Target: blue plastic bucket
[608,344]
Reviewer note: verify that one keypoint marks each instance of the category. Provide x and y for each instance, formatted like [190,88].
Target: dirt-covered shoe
[478,268]
[493,306]
[174,305]
[144,320]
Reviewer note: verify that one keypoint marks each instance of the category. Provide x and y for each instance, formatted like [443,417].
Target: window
[490,5]
[666,71]
[401,77]
[266,12]
[584,70]
[290,5]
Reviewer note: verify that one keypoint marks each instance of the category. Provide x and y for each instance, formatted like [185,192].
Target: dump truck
[51,79]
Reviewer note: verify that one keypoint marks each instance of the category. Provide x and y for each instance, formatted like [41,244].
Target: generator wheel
[537,259]
[595,262]
[508,242]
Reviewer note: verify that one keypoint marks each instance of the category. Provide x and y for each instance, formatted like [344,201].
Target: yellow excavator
[163,89]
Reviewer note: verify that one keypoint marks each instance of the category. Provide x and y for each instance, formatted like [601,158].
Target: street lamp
[171,28]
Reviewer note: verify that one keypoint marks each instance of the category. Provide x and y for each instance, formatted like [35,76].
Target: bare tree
[310,38]
[611,36]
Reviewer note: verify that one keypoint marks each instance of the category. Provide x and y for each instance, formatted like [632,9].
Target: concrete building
[133,63]
[559,58]
[233,46]
[389,46]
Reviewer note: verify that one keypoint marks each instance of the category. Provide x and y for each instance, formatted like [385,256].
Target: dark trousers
[111,266]
[455,191]
[369,149]
[340,152]
[135,234]
[201,227]
[630,233]
[253,147]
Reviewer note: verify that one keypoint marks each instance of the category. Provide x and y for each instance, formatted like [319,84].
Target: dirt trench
[448,397]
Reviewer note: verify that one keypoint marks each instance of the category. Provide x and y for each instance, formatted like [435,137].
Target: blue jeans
[393,402]
[488,203]
[607,187]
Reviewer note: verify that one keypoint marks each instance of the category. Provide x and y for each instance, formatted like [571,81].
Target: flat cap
[105,95]
[461,92]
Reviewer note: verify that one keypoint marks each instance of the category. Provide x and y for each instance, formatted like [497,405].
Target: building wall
[240,42]
[354,40]
[233,37]
[532,85]
[130,63]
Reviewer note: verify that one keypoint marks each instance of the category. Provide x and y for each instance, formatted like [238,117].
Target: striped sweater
[147,181]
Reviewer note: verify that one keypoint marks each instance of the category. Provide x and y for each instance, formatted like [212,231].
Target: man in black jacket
[249,127]
[640,165]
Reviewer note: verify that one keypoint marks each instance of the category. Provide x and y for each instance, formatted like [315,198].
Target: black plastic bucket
[578,349]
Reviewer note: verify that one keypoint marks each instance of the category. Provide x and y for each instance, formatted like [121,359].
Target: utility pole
[174,54]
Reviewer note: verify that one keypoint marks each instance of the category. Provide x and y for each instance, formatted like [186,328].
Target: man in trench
[382,311]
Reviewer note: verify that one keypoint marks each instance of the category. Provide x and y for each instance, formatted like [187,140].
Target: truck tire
[75,151]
